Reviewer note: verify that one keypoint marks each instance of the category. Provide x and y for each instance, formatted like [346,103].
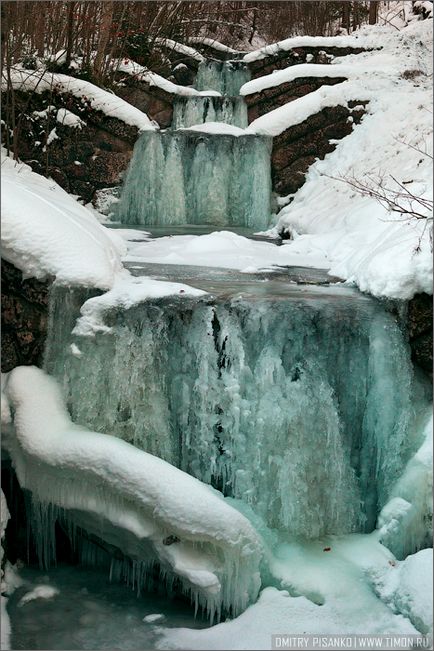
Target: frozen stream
[89,612]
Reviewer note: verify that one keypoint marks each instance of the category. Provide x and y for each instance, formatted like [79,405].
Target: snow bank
[143,74]
[407,587]
[382,252]
[98,98]
[46,233]
[141,504]
[126,292]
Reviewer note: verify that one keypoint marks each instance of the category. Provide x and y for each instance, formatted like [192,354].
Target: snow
[98,98]
[203,40]
[151,619]
[316,600]
[38,592]
[217,128]
[381,252]
[141,499]
[46,233]
[126,292]
[69,119]
[180,48]
[407,587]
[295,72]
[141,73]
[361,38]
[223,249]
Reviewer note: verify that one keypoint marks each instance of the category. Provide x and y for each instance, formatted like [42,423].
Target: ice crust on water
[194,177]
[188,111]
[226,77]
[151,511]
[256,396]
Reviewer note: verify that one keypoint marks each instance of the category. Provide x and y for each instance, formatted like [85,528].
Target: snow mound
[46,233]
[98,98]
[225,250]
[141,504]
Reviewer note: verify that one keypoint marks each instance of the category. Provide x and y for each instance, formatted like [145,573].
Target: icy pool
[89,612]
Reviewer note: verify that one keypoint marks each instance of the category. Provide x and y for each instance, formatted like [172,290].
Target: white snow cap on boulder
[45,232]
[149,509]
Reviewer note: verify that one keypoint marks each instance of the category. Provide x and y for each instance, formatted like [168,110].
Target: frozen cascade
[298,403]
[190,177]
[226,77]
[188,111]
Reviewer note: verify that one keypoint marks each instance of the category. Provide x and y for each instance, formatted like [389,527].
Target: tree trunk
[69,32]
[104,35]
[346,11]
[373,12]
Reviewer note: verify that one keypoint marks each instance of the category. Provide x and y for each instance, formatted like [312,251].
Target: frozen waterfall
[226,77]
[193,177]
[188,111]
[296,401]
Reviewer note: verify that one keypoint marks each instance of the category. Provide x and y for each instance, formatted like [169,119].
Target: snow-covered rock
[46,233]
[151,510]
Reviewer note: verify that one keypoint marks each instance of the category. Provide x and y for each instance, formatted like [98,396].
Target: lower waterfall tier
[296,400]
[188,111]
[191,177]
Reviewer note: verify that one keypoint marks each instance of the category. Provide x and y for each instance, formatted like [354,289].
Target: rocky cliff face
[24,318]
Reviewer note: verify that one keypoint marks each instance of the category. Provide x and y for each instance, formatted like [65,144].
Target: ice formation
[405,522]
[193,177]
[188,111]
[226,77]
[151,511]
[257,395]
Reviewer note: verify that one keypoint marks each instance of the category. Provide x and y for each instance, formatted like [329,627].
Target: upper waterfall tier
[188,111]
[294,399]
[226,77]
[192,177]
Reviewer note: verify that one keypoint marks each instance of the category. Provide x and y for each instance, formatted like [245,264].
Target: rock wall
[420,330]
[271,98]
[24,318]
[298,147]
[81,160]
